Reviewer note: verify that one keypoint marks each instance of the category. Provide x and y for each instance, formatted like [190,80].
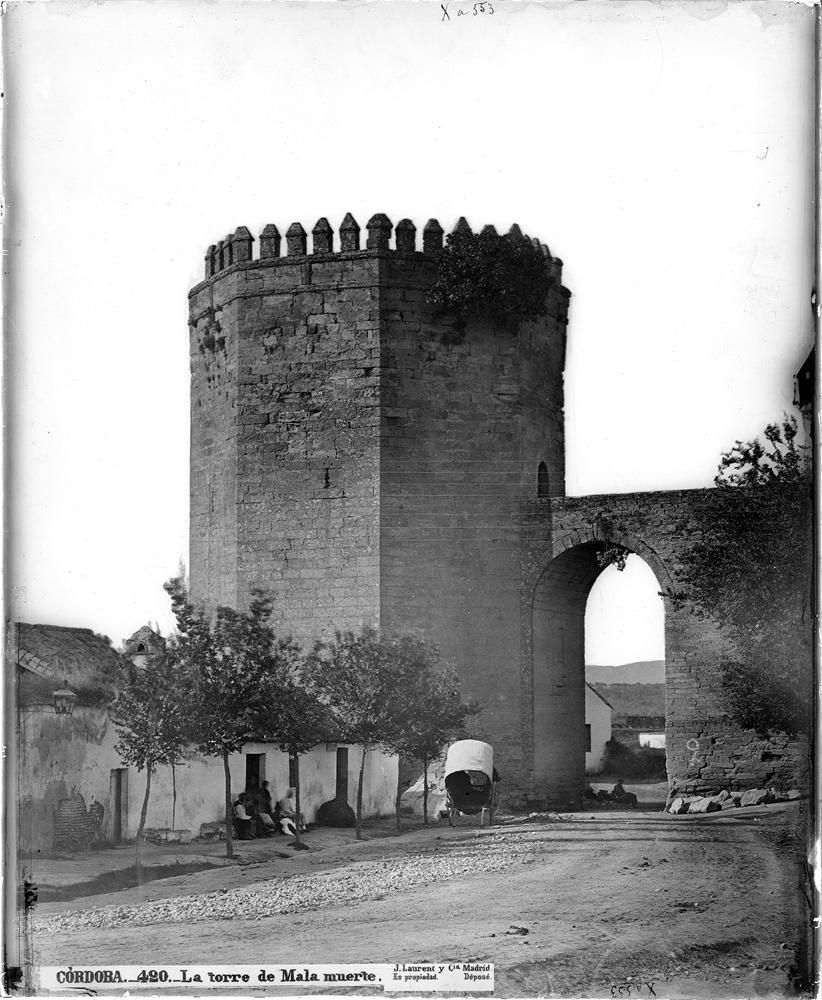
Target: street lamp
[64,700]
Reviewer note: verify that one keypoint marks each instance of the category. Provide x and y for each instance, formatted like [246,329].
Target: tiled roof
[57,654]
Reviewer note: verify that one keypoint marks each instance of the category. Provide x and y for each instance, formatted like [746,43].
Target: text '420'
[472,11]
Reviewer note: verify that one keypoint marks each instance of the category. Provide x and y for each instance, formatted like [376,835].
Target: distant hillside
[633,699]
[641,672]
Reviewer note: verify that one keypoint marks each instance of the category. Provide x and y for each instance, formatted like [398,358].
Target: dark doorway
[342,773]
[254,770]
[119,803]
[543,486]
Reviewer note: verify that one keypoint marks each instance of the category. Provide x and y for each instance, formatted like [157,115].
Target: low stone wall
[730,800]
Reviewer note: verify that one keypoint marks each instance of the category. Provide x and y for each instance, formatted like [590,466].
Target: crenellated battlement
[238,247]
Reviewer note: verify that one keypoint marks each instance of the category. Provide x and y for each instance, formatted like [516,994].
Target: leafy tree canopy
[432,712]
[236,668]
[298,721]
[429,708]
[353,676]
[151,720]
[779,459]
[152,723]
[425,710]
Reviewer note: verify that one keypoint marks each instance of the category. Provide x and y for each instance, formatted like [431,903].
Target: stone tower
[366,459]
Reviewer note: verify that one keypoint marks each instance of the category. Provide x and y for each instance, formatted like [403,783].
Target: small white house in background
[597,728]
[655,740]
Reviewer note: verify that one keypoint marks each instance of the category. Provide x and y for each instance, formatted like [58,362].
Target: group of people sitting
[617,794]
[256,816]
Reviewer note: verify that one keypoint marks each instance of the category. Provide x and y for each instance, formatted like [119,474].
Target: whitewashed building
[72,788]
[597,728]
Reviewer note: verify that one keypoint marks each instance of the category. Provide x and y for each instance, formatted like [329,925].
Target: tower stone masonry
[370,460]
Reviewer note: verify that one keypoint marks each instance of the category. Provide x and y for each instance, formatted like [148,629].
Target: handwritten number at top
[485,7]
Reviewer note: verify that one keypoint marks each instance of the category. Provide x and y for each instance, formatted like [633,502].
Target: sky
[663,151]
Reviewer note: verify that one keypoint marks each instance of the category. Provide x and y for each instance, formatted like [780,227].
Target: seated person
[288,813]
[262,812]
[264,803]
[242,820]
[620,795]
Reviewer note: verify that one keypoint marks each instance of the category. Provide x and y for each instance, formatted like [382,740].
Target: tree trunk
[138,860]
[296,797]
[359,794]
[425,789]
[399,796]
[173,797]
[229,810]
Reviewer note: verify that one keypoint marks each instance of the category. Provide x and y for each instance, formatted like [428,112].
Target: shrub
[497,277]
[629,762]
[749,565]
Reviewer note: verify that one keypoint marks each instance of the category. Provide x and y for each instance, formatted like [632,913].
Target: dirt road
[680,906]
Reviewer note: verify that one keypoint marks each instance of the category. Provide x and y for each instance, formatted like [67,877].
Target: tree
[504,278]
[427,708]
[236,668]
[749,565]
[779,460]
[152,724]
[298,723]
[353,677]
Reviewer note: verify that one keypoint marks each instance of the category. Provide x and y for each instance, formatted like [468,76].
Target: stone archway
[557,653]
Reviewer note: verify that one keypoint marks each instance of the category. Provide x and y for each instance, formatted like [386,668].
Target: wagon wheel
[452,812]
[492,806]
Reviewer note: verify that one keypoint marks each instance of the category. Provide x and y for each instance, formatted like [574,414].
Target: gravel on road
[292,893]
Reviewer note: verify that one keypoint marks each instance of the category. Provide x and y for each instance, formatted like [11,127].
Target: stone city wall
[706,751]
